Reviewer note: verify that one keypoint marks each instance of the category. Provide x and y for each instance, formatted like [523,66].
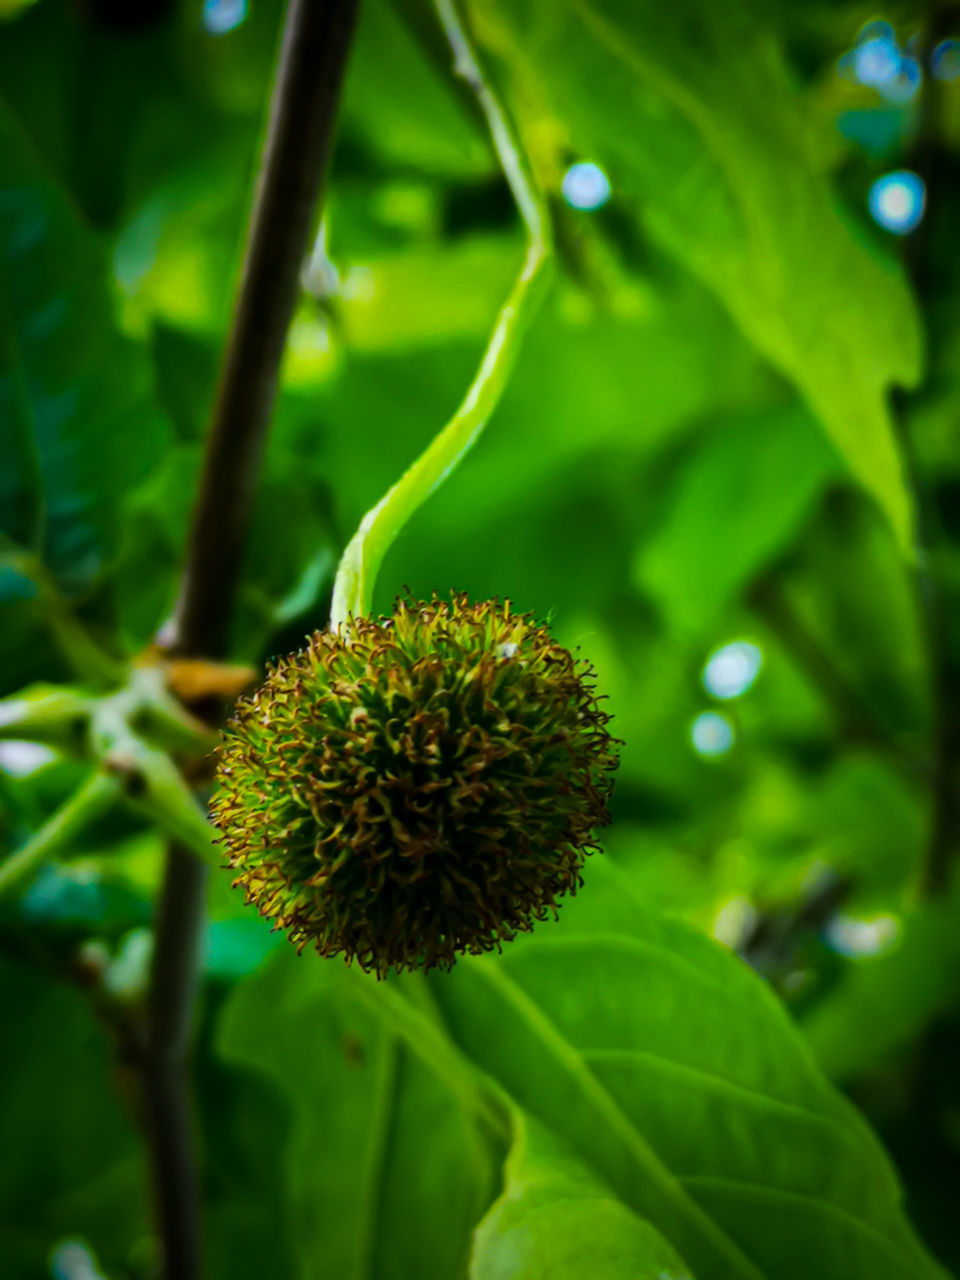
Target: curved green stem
[353,588]
[87,803]
[151,781]
[61,715]
[156,715]
[45,713]
[171,803]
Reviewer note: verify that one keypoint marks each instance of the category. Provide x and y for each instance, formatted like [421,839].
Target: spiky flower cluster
[424,786]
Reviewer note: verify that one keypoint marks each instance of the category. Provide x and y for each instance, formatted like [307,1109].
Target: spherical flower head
[417,786]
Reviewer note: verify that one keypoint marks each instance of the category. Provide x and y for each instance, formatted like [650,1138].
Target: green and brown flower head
[425,785]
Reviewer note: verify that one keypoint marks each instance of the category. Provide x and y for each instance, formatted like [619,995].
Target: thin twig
[314,50]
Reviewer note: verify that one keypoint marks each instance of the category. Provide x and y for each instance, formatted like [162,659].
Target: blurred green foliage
[706,441]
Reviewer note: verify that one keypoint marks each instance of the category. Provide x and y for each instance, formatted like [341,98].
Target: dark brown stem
[315,44]
[316,41]
[178,928]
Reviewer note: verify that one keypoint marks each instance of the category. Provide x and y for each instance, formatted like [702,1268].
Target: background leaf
[743,493]
[72,1159]
[881,1002]
[384,1173]
[78,421]
[668,103]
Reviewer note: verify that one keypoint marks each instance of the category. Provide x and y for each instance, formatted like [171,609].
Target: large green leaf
[670,1069]
[692,112]
[556,1218]
[385,1171]
[670,1096]
[78,425]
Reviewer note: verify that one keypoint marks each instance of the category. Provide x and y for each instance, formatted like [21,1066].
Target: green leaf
[556,1218]
[739,497]
[71,1158]
[78,426]
[246,1126]
[882,1002]
[289,558]
[402,103]
[674,1074]
[436,293]
[853,593]
[10,8]
[386,1172]
[692,112]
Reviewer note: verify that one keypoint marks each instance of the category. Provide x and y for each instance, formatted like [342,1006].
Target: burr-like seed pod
[427,786]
